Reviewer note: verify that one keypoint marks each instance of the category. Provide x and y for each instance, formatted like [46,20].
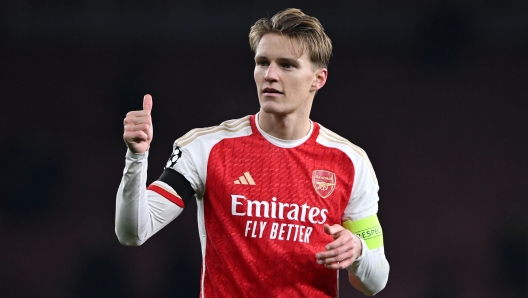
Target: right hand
[138,128]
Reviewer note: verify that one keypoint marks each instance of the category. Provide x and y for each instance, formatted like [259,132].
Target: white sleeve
[140,213]
[364,196]
[370,272]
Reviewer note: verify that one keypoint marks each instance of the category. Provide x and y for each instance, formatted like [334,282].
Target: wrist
[362,248]
[136,156]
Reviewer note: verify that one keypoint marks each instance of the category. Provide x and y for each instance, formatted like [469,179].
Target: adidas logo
[245,179]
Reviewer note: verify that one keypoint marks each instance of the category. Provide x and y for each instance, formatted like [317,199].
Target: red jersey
[262,203]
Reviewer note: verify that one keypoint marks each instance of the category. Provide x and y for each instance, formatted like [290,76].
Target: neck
[285,127]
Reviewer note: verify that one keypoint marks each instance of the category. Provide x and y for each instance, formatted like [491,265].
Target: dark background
[434,92]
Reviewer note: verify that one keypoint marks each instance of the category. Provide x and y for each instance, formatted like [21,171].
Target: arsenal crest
[324,182]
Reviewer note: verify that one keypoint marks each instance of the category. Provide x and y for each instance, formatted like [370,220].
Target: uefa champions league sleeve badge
[173,159]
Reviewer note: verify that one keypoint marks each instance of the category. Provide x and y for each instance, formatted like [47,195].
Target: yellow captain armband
[368,229]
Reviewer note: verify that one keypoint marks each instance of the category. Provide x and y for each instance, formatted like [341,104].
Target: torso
[263,212]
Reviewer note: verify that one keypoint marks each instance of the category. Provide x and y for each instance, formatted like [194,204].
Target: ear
[320,79]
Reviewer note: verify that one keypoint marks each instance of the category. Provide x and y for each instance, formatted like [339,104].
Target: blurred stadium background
[434,91]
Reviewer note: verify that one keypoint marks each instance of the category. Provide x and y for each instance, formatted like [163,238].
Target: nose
[271,73]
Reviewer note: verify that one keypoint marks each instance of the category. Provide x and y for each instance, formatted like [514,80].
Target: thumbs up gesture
[138,127]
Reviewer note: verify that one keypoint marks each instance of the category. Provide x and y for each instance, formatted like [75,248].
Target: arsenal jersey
[262,204]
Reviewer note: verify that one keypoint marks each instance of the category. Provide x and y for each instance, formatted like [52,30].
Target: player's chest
[259,171]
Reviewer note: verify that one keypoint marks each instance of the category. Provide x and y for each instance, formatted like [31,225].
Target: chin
[273,108]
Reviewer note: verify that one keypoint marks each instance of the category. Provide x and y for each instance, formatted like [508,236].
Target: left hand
[343,251]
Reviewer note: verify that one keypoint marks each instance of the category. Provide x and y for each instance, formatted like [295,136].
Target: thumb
[147,102]
[332,230]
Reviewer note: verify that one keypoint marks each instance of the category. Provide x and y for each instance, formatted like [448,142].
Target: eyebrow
[292,61]
[289,60]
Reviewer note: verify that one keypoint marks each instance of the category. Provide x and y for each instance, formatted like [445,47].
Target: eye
[262,63]
[287,64]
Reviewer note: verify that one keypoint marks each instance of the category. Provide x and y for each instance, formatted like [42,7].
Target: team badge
[324,182]
[175,156]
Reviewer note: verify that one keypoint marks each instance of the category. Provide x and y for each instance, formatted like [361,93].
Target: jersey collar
[280,142]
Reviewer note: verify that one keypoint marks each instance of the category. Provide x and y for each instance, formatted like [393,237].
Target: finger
[332,230]
[135,136]
[340,240]
[334,252]
[340,265]
[137,127]
[147,103]
[135,116]
[344,242]
[141,113]
[338,257]
[140,120]
[340,262]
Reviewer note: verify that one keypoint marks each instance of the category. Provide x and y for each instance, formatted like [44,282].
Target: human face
[286,82]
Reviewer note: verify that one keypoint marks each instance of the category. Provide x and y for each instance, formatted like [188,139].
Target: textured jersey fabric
[262,204]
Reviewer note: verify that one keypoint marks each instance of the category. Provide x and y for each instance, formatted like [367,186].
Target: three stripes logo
[245,179]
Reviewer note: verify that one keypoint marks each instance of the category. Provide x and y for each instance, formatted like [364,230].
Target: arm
[370,271]
[358,242]
[141,211]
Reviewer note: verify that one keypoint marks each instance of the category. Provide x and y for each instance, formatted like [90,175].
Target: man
[275,190]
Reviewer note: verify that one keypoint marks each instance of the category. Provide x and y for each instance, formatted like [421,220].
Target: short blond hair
[306,30]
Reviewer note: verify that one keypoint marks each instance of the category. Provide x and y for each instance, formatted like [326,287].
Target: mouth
[270,91]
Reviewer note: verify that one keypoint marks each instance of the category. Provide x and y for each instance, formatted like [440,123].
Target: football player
[283,202]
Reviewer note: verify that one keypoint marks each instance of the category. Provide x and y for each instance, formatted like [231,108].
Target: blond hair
[306,30]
